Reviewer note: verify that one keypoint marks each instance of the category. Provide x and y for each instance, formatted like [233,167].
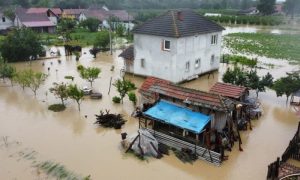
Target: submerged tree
[249,79]
[287,85]
[76,94]
[124,87]
[21,44]
[23,78]
[60,91]
[102,39]
[7,71]
[36,80]
[89,74]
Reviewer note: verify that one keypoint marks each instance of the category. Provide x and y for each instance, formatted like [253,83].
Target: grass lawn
[79,37]
[284,46]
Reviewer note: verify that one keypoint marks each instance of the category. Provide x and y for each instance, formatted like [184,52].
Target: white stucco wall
[4,25]
[171,65]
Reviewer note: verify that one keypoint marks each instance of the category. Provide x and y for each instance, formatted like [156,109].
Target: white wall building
[177,46]
[5,22]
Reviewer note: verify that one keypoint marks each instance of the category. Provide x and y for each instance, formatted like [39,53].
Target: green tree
[65,26]
[92,24]
[21,44]
[120,30]
[23,78]
[89,74]
[266,7]
[102,39]
[124,87]
[60,91]
[36,79]
[76,94]
[287,85]
[6,70]
[291,7]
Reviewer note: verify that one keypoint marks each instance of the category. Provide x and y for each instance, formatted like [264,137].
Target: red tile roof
[154,86]
[228,90]
[287,169]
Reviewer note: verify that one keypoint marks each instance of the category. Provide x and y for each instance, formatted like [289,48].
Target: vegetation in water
[76,94]
[280,46]
[250,79]
[57,107]
[287,85]
[116,99]
[21,44]
[124,87]
[132,97]
[90,73]
[235,59]
[60,90]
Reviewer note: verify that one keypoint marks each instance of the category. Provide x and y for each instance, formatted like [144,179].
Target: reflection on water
[76,142]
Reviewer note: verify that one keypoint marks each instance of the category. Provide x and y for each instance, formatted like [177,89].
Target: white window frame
[214,39]
[197,63]
[167,49]
[187,66]
[212,59]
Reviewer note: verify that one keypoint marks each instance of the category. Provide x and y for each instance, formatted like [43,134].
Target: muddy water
[260,29]
[75,142]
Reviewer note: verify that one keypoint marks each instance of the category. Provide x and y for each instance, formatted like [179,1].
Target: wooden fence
[202,153]
[292,151]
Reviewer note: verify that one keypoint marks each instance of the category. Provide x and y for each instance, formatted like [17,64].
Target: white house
[176,46]
[5,22]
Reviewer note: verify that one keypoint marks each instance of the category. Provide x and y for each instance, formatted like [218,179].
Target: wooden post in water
[109,85]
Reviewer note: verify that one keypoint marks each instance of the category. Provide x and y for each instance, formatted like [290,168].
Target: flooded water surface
[71,138]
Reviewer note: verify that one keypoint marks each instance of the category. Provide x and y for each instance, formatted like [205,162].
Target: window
[187,66]
[167,45]
[143,63]
[197,63]
[212,60]
[214,39]
[3,19]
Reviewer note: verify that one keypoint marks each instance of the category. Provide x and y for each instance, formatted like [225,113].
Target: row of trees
[242,77]
[283,86]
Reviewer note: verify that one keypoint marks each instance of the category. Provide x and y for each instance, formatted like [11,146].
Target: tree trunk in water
[78,106]
[287,99]
[91,83]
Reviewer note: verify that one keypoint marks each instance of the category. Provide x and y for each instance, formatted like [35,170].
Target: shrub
[116,99]
[132,97]
[57,107]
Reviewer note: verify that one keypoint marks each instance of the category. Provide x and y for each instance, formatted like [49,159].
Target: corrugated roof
[178,23]
[228,90]
[204,99]
[73,11]
[128,53]
[38,24]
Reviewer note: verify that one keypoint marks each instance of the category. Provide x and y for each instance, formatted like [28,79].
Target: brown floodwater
[74,141]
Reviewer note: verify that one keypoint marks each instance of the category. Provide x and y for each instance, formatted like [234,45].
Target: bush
[57,107]
[116,99]
[132,97]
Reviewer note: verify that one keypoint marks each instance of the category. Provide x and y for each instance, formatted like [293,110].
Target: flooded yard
[71,138]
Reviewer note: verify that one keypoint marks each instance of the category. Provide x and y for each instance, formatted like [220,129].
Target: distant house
[53,16]
[103,15]
[5,22]
[40,22]
[249,11]
[278,9]
[72,13]
[176,46]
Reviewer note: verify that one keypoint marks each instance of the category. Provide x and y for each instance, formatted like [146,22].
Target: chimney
[179,16]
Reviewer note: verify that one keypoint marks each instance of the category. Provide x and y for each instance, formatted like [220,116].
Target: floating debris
[110,120]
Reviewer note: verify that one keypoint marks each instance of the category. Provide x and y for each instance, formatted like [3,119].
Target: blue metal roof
[178,116]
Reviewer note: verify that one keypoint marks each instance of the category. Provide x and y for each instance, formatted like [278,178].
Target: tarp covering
[178,116]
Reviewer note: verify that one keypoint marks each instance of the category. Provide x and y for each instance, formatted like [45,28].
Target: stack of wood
[110,120]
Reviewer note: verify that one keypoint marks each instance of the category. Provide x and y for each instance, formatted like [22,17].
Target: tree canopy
[76,94]
[287,85]
[89,74]
[92,24]
[124,87]
[102,39]
[21,44]
[266,7]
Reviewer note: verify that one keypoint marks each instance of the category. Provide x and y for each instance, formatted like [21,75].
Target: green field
[284,46]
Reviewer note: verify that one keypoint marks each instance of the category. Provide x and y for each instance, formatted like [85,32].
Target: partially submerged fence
[202,153]
[292,151]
